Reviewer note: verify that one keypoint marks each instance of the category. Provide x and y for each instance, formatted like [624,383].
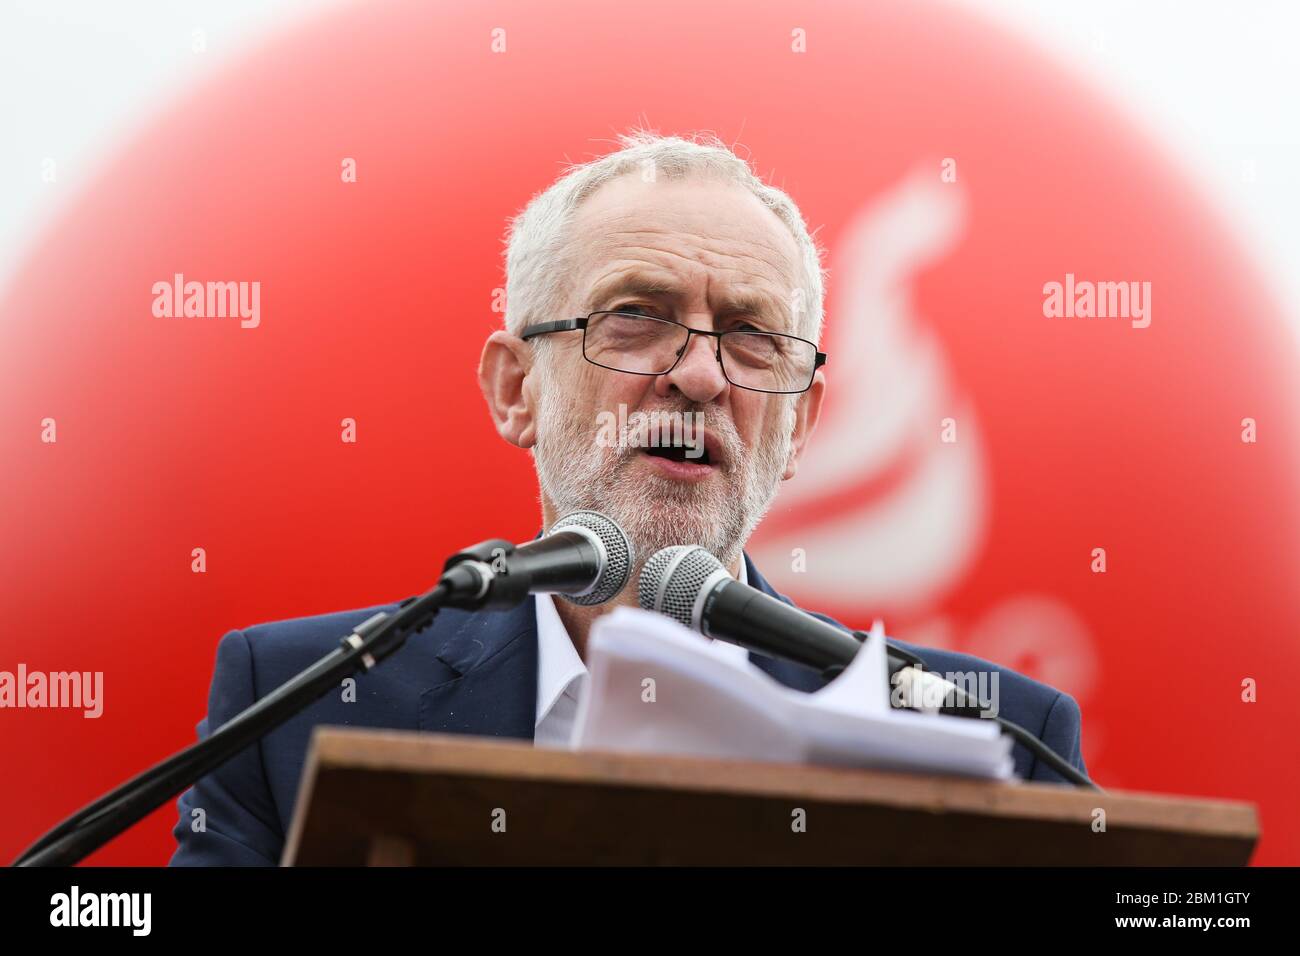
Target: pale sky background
[1216,81]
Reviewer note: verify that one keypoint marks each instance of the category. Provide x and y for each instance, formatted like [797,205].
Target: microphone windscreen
[672,580]
[619,555]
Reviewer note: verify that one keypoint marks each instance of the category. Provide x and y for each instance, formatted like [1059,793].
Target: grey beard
[577,473]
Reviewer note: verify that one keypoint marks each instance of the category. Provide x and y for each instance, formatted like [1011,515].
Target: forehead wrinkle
[634,279]
[748,250]
[754,267]
[779,258]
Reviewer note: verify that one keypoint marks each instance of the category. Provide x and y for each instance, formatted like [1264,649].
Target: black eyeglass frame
[580,324]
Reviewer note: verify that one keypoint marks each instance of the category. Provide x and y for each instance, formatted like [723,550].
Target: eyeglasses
[647,345]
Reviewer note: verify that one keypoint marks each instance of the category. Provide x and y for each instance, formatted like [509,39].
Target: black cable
[1047,755]
[970,707]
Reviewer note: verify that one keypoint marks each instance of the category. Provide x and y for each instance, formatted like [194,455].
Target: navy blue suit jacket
[468,673]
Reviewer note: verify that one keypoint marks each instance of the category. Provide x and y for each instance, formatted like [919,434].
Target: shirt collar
[559,668]
[558,663]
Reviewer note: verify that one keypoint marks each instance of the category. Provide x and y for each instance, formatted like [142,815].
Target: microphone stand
[370,642]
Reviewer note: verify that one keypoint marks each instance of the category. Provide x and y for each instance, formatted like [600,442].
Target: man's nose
[697,374]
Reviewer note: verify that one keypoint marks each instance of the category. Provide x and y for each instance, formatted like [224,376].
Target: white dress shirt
[562,676]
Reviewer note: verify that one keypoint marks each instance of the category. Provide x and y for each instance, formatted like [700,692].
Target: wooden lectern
[403,798]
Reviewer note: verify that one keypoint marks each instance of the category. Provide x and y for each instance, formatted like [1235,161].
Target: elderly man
[664,278]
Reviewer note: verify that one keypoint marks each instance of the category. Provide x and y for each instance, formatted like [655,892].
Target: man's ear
[502,370]
[807,411]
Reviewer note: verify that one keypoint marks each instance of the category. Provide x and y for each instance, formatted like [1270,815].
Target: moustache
[703,430]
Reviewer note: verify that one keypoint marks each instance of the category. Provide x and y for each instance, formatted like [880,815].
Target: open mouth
[691,454]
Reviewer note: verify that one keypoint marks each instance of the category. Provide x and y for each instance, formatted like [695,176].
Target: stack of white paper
[656,687]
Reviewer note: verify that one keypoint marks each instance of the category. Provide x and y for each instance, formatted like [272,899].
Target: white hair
[537,268]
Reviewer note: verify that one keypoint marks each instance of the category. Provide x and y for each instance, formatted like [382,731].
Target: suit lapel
[485,673]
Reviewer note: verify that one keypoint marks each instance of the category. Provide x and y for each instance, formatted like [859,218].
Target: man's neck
[577,619]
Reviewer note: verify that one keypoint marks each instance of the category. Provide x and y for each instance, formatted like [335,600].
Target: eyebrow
[636,284]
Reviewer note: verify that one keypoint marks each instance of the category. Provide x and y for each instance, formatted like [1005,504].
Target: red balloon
[976,462]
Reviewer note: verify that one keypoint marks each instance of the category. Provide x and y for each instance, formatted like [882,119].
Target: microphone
[690,585]
[585,558]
